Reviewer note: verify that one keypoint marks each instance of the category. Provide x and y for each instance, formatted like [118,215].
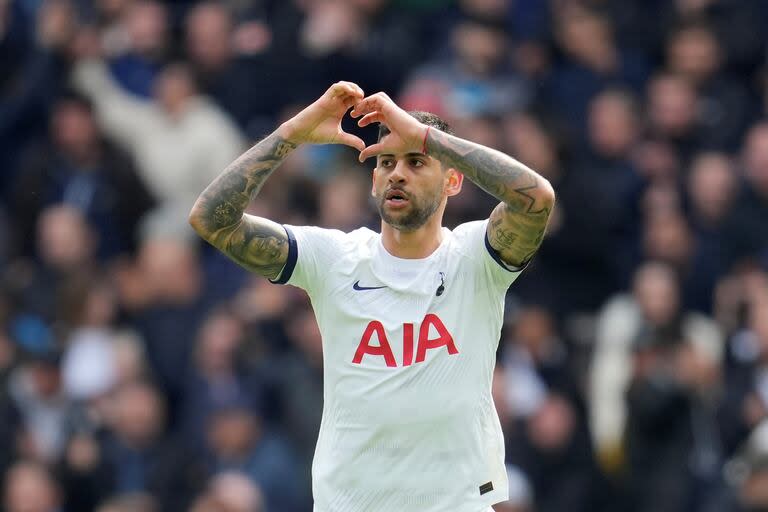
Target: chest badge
[441,288]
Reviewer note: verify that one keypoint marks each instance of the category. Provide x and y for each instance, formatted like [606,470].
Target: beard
[415,215]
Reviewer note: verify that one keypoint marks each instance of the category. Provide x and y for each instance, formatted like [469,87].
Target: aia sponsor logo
[384,349]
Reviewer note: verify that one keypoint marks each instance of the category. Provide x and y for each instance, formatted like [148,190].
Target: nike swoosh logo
[357,286]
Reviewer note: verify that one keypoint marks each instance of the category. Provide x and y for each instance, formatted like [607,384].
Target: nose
[398,173]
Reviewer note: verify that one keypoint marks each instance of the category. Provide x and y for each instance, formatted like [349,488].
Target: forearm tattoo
[517,225]
[218,215]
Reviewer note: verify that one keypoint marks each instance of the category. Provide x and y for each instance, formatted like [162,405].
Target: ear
[454,180]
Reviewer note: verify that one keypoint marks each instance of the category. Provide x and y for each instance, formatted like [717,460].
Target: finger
[369,104]
[373,117]
[372,150]
[341,89]
[358,90]
[349,101]
[350,140]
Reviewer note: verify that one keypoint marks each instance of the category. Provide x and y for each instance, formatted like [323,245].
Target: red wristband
[424,142]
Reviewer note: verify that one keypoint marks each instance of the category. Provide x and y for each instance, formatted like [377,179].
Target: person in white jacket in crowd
[180,139]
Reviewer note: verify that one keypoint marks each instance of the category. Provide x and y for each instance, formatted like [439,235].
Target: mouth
[396,198]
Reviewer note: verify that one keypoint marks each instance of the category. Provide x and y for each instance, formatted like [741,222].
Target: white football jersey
[409,348]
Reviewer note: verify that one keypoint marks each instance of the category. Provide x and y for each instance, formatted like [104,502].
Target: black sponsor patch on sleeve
[486,487]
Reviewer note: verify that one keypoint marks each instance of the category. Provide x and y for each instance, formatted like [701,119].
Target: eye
[415,162]
[386,162]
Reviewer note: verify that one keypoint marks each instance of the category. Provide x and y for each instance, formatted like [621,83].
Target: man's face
[73,127]
[409,188]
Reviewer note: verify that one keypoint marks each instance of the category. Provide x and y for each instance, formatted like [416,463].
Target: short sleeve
[311,252]
[473,238]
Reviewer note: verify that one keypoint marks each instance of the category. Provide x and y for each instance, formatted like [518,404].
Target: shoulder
[470,240]
[331,245]
[470,236]
[470,229]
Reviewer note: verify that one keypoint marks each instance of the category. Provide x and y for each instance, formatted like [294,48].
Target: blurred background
[140,371]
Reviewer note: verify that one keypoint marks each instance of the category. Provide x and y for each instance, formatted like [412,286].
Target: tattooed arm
[258,244]
[516,226]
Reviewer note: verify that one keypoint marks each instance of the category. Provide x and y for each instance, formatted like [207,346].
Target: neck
[419,243]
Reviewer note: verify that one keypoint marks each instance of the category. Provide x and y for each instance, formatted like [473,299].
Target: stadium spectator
[139,46]
[230,492]
[474,80]
[673,113]
[299,385]
[29,487]
[748,236]
[712,187]
[31,58]
[238,440]
[236,77]
[671,386]
[66,247]
[85,475]
[216,376]
[534,362]
[552,448]
[172,310]
[179,139]
[37,393]
[141,456]
[593,61]
[695,54]
[598,236]
[653,305]
[77,166]
[746,405]
[544,416]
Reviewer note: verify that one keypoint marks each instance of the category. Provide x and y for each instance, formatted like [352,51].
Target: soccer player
[410,317]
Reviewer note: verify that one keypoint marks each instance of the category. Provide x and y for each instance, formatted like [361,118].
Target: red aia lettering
[382,350]
[407,344]
[443,339]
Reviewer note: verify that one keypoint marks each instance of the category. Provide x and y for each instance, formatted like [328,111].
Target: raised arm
[257,244]
[516,226]
[261,245]
[122,114]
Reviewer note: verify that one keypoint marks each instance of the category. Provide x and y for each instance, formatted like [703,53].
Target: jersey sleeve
[473,236]
[311,252]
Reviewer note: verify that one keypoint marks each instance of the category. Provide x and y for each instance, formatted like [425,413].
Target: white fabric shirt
[408,422]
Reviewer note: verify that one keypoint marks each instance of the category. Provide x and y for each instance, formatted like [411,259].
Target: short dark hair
[427,118]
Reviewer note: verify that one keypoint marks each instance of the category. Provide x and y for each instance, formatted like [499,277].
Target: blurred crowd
[141,371]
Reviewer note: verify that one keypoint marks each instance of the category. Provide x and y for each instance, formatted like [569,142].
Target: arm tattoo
[517,225]
[218,215]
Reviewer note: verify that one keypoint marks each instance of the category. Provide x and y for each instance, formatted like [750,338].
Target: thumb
[350,140]
[372,150]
